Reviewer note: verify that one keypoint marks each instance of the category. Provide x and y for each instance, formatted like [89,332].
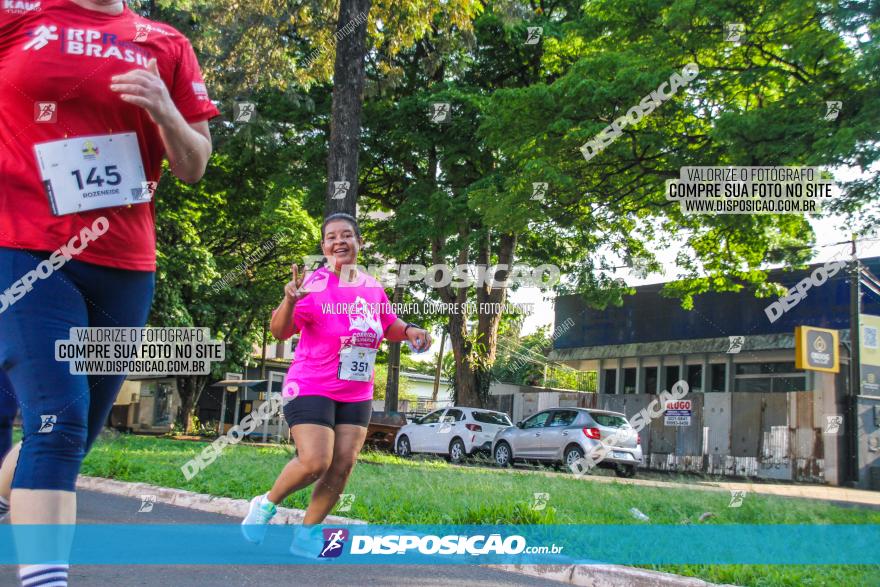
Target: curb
[823,493]
[227,506]
[604,576]
[581,575]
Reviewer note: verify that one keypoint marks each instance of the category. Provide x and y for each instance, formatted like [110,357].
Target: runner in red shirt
[93,97]
[59,61]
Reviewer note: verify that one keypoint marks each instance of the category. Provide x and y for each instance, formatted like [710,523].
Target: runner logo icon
[47,423]
[334,540]
[41,37]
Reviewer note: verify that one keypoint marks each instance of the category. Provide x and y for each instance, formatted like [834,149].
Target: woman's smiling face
[340,244]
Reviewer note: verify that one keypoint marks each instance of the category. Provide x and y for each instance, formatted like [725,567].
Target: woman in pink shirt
[342,315]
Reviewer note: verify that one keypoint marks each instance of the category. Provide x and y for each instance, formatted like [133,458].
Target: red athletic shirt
[55,51]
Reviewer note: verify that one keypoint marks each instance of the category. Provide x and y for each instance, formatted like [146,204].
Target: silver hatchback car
[563,435]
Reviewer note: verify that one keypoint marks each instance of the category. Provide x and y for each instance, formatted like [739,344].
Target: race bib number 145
[87,173]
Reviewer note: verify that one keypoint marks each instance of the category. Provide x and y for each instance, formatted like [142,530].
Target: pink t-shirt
[333,315]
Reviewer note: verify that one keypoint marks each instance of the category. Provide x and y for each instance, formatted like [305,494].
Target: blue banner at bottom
[209,544]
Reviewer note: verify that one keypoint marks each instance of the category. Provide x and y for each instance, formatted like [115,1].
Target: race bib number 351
[356,363]
[87,173]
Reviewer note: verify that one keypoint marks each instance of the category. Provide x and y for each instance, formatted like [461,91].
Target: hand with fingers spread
[145,88]
[282,325]
[293,290]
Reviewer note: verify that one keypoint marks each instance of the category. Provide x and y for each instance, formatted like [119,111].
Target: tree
[523,360]
[758,103]
[465,188]
[461,191]
[262,177]
[429,173]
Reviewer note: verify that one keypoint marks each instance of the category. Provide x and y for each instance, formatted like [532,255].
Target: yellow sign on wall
[816,349]
[869,353]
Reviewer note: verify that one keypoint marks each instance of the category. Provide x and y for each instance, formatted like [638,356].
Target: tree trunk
[465,376]
[494,296]
[348,94]
[190,388]
[472,377]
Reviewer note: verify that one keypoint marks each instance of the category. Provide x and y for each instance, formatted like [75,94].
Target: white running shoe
[255,524]
[308,542]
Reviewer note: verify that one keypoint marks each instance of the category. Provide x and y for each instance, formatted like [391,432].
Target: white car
[456,432]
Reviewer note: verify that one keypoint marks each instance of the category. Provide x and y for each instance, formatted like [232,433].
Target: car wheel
[573,454]
[503,455]
[403,448]
[625,471]
[457,451]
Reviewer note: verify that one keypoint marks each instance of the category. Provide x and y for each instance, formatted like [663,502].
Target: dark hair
[341,216]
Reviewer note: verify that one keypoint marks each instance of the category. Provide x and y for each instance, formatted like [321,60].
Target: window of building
[671,376]
[162,405]
[760,384]
[629,380]
[718,371]
[610,381]
[766,368]
[275,383]
[695,378]
[650,380]
[776,377]
[784,384]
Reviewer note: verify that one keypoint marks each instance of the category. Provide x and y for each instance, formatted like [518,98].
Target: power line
[541,360]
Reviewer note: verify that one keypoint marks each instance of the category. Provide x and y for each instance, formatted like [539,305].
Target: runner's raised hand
[293,290]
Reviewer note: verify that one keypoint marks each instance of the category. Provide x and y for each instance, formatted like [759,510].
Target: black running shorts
[317,409]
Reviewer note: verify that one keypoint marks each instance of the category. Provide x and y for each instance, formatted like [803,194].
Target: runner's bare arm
[419,337]
[282,326]
[187,146]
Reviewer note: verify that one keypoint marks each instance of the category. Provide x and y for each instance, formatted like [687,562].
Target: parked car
[456,432]
[563,435]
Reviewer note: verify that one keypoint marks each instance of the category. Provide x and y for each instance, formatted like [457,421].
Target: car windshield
[610,420]
[431,418]
[492,418]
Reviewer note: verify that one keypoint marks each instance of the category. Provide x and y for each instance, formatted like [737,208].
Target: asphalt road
[97,508]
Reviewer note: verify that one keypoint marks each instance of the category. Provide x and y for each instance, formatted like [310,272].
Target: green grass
[391,490]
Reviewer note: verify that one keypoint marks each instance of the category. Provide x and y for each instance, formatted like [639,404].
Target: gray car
[561,436]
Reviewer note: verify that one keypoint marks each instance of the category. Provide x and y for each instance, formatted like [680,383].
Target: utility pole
[263,355]
[855,379]
[391,385]
[439,366]
[221,430]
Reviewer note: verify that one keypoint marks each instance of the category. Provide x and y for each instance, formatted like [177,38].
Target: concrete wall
[869,442]
[144,409]
[425,389]
[766,435]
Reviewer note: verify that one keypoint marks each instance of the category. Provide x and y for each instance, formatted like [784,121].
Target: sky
[828,230]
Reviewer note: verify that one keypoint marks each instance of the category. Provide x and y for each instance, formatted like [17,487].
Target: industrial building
[755,413]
